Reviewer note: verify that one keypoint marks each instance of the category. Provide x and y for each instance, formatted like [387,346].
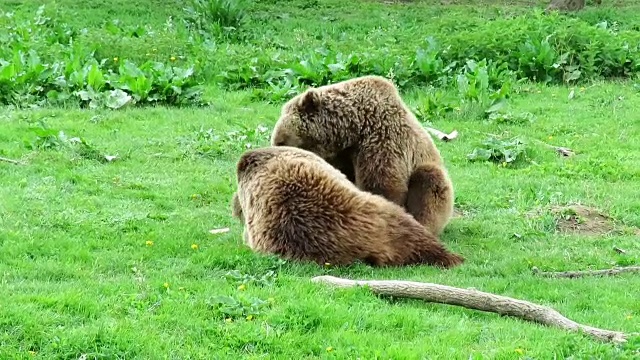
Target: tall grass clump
[215,18]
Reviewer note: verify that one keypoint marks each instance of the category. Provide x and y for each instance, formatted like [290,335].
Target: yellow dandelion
[519,351]
[327,264]
[32,353]
[149,243]
[629,317]
[194,246]
[173,58]
[250,317]
[115,59]
[228,320]
[166,285]
[329,349]
[242,287]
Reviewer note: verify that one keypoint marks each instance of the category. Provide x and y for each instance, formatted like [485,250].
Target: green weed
[504,152]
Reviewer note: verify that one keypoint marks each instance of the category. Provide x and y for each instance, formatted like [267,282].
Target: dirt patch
[583,220]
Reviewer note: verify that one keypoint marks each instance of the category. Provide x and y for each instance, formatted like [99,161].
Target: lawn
[105,249]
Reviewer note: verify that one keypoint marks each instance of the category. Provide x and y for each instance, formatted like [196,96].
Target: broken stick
[576,274]
[478,300]
[442,136]
[11,161]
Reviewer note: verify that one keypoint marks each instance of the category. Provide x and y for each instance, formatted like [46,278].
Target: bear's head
[305,123]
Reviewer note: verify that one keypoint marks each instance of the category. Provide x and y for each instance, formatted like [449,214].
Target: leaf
[8,72]
[573,75]
[84,95]
[496,106]
[117,99]
[95,79]
[334,68]
[480,154]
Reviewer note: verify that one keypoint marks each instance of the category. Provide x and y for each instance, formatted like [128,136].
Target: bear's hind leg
[430,197]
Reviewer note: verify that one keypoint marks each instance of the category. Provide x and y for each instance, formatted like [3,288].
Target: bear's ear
[310,101]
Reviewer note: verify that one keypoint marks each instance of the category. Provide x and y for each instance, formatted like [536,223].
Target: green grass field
[114,259]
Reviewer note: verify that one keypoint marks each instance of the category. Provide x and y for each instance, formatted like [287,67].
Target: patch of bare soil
[583,220]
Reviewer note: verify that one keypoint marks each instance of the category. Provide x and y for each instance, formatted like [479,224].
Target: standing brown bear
[296,205]
[364,129]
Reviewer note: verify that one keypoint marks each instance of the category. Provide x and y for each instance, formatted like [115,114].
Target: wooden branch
[11,161]
[478,300]
[576,274]
[442,136]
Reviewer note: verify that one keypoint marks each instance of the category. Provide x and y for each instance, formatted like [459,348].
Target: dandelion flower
[173,58]
[194,246]
[250,317]
[242,287]
[327,264]
[519,351]
[329,349]
[629,317]
[149,243]
[115,59]
[166,285]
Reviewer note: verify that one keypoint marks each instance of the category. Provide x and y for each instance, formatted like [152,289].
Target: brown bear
[297,206]
[364,129]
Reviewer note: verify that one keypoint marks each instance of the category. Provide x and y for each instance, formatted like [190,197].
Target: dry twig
[474,299]
[564,151]
[618,250]
[442,136]
[11,161]
[576,274]
[218,231]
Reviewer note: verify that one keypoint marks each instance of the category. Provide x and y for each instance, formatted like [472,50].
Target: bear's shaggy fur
[294,204]
[364,129]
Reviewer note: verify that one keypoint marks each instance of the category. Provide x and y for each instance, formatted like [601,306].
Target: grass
[97,257]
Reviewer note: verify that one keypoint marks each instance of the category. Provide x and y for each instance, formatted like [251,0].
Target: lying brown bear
[296,205]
